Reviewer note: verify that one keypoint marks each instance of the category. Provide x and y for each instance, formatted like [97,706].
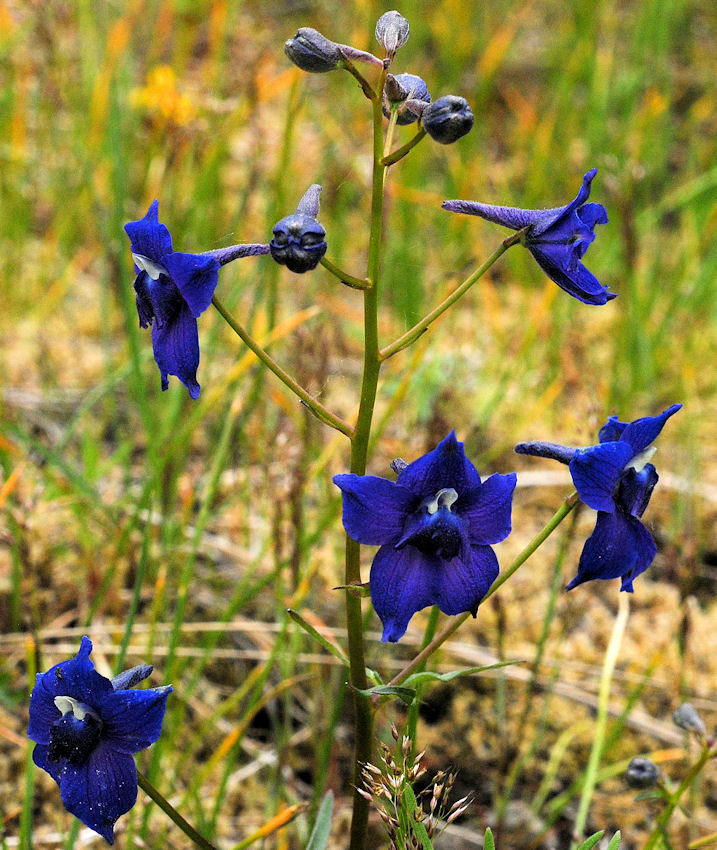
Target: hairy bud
[447,119]
[641,773]
[408,90]
[312,52]
[392,31]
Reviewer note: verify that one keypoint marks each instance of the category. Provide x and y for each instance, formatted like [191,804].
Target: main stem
[363,722]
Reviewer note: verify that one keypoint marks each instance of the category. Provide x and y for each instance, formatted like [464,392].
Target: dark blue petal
[40,757]
[442,533]
[611,430]
[148,237]
[596,471]
[592,214]
[552,218]
[446,466]
[635,489]
[402,582]
[374,509]
[132,677]
[76,678]
[578,281]
[642,432]
[196,277]
[619,547]
[488,509]
[143,299]
[164,297]
[101,790]
[133,719]
[176,349]
[462,583]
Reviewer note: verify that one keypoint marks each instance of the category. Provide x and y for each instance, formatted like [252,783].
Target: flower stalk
[172,813]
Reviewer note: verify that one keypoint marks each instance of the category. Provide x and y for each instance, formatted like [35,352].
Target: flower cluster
[86,728]
[435,525]
[616,479]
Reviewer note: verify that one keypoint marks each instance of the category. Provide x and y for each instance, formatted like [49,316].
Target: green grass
[203,522]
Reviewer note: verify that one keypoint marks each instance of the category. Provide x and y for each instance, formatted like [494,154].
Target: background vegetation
[179,533]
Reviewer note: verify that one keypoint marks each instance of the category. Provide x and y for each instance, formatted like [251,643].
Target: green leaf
[592,841]
[427,675]
[362,590]
[615,842]
[319,839]
[488,842]
[418,828]
[405,694]
[309,629]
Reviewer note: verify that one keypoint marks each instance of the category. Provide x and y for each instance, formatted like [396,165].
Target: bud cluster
[385,788]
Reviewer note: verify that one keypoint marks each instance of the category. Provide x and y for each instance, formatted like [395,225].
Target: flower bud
[312,52]
[686,717]
[392,31]
[405,89]
[299,240]
[642,773]
[447,119]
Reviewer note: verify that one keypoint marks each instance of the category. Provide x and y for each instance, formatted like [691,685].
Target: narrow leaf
[615,842]
[418,828]
[592,841]
[319,839]
[405,694]
[427,675]
[488,842]
[325,642]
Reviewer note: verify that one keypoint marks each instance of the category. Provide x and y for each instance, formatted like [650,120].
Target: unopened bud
[408,90]
[686,717]
[299,240]
[398,465]
[313,52]
[447,119]
[392,31]
[641,773]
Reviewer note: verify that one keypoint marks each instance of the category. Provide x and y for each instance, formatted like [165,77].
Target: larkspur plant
[435,524]
[87,728]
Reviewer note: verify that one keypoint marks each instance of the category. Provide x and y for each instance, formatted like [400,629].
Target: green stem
[172,813]
[608,669]
[453,627]
[363,721]
[322,413]
[363,82]
[422,326]
[399,153]
[344,277]
[664,819]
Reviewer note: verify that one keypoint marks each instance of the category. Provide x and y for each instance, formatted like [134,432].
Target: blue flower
[172,290]
[616,479]
[299,240]
[86,728]
[557,238]
[435,525]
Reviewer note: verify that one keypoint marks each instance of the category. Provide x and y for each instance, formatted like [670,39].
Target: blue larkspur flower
[435,525]
[557,238]
[172,290]
[86,728]
[616,479]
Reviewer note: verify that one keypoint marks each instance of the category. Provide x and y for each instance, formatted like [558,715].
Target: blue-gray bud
[403,88]
[447,119]
[312,52]
[642,773]
[392,31]
[299,240]
[687,718]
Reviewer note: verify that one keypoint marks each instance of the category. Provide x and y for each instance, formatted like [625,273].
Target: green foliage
[319,838]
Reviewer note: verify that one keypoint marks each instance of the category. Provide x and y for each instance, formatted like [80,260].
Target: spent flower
[616,479]
[172,289]
[435,525]
[87,728]
[557,238]
[299,240]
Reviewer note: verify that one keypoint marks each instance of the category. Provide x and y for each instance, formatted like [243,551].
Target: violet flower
[86,728]
[435,525]
[172,290]
[557,238]
[616,479]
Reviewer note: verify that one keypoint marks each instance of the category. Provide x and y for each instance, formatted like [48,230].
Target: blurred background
[178,532]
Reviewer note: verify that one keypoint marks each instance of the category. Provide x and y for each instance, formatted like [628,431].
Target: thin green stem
[363,82]
[453,627]
[172,813]
[322,413]
[422,326]
[664,818]
[345,277]
[399,153]
[608,669]
[363,721]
